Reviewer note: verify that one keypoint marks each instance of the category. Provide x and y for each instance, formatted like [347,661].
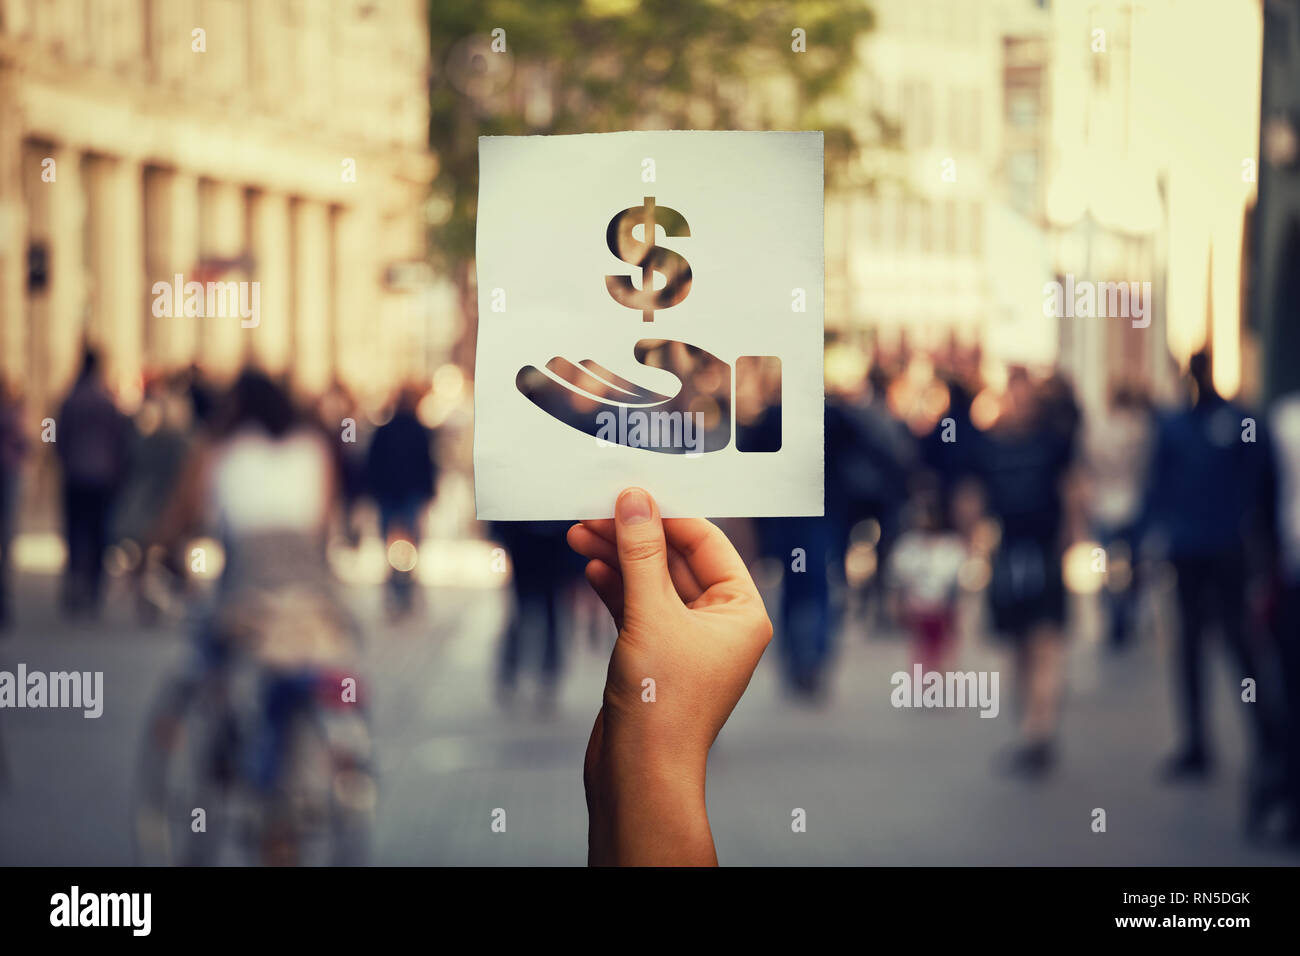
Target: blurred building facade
[282,142]
[1058,138]
[906,228]
[1103,214]
[1139,190]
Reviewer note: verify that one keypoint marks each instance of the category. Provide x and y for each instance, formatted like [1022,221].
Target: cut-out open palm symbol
[698,418]
[589,397]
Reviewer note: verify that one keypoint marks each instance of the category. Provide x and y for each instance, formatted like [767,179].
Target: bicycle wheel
[180,812]
[324,803]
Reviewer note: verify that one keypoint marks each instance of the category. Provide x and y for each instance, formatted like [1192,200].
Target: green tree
[571,66]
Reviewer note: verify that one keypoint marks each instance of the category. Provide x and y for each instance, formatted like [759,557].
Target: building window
[1022,108]
[956,119]
[874,212]
[918,114]
[899,206]
[1022,173]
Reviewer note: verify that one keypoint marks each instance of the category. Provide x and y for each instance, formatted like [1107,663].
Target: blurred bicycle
[260,750]
[264,755]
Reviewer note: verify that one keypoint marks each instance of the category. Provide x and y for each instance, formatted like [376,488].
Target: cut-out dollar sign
[650,257]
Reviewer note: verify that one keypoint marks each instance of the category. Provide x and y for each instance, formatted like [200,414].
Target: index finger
[708,552]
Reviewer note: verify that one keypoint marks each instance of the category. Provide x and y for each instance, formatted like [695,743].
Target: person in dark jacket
[93,441]
[1208,477]
[401,475]
[542,568]
[1024,463]
[1284,419]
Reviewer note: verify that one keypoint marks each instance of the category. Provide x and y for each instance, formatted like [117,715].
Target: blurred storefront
[281,142]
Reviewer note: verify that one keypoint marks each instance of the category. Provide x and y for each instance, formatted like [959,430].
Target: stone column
[67,292]
[13,235]
[223,341]
[269,226]
[119,305]
[172,205]
[312,299]
[357,286]
[40,182]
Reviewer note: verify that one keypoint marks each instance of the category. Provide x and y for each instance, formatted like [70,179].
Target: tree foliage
[573,66]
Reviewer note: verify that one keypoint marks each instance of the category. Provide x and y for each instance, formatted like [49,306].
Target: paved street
[880,786]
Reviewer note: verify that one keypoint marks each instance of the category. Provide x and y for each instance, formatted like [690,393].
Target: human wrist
[648,809]
[645,820]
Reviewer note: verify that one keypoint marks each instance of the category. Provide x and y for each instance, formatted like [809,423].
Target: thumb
[642,552]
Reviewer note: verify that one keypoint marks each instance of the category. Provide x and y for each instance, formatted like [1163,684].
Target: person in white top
[264,482]
[923,574]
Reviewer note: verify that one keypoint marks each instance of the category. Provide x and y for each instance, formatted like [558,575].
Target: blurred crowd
[949,478]
[952,483]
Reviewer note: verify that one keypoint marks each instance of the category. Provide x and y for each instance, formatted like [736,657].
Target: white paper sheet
[752,204]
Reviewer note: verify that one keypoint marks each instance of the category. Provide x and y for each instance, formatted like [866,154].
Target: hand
[691,620]
[589,397]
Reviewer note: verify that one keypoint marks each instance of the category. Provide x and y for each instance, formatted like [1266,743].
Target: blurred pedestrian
[401,474]
[161,446]
[13,448]
[1118,453]
[265,481]
[1285,433]
[1024,464]
[806,618]
[541,569]
[339,415]
[203,395]
[804,546]
[1205,486]
[870,454]
[93,441]
[923,575]
[944,452]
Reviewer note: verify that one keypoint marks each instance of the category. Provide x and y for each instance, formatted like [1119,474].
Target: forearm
[699,629]
[644,814]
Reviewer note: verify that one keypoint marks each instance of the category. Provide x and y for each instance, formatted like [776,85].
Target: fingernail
[633,506]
